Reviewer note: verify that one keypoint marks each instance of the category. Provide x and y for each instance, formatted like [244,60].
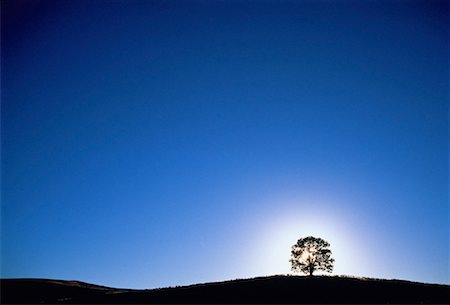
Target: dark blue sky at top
[152,143]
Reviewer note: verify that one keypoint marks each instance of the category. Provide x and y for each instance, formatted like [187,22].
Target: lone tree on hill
[310,254]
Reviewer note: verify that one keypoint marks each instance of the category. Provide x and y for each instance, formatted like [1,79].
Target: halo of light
[281,228]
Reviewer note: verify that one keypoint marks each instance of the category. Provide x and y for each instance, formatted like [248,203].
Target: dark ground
[263,290]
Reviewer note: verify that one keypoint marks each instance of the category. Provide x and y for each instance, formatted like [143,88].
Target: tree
[310,254]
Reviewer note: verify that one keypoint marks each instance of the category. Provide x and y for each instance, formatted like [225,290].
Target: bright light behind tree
[280,230]
[306,255]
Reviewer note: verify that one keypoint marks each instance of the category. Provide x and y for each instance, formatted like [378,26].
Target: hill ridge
[285,289]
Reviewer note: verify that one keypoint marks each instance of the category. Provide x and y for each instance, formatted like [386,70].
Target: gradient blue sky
[156,143]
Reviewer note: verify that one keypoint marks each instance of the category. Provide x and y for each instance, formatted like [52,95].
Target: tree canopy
[310,254]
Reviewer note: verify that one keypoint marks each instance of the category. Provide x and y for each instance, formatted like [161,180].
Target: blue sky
[160,143]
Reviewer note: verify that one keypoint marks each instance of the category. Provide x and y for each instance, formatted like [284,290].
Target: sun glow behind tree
[303,217]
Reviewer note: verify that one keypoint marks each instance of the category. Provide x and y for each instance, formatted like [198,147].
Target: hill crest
[271,289]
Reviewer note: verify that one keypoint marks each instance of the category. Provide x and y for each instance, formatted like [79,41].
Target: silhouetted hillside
[274,289]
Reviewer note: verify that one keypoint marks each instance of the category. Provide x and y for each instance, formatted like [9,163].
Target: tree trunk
[311,270]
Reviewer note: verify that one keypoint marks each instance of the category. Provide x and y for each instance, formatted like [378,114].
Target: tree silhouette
[310,254]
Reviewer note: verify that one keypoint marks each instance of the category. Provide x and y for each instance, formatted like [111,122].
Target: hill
[265,290]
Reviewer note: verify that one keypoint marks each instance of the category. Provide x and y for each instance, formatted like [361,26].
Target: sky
[160,143]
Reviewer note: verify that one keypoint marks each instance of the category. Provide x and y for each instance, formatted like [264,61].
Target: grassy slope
[274,289]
